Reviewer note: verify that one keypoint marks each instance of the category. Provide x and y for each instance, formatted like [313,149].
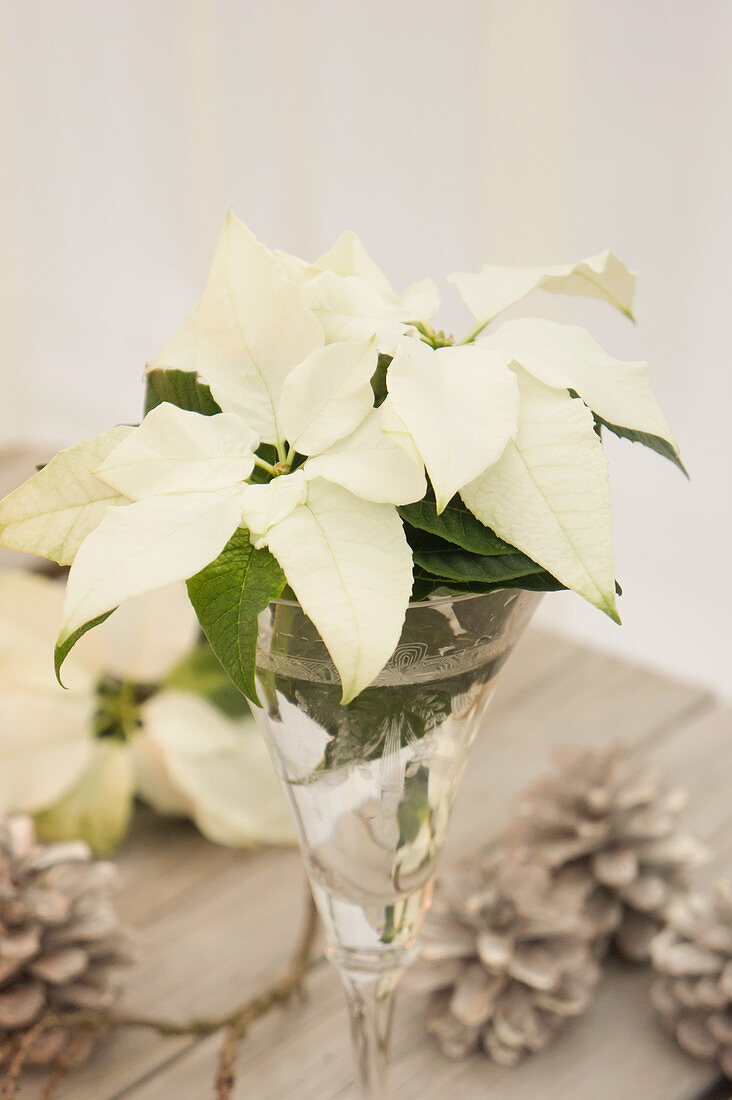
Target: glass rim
[282,601]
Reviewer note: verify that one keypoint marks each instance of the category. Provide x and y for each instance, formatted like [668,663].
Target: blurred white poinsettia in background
[142,716]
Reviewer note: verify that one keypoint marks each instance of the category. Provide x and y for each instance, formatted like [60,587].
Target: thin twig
[23,1048]
[203,1026]
[278,994]
[95,1018]
[235,1023]
[64,1062]
[84,1022]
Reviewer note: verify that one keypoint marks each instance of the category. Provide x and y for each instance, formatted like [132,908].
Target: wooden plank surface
[214,925]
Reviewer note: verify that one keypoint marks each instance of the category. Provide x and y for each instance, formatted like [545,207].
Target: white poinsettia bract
[304,408]
[495,288]
[459,404]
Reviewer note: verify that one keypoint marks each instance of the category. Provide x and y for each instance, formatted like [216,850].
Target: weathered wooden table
[215,925]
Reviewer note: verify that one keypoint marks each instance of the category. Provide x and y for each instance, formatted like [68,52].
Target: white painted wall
[446,132]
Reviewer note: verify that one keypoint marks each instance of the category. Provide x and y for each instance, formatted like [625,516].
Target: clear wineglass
[371,784]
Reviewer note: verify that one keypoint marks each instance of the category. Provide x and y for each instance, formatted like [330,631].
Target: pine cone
[610,815]
[510,954]
[61,943]
[694,994]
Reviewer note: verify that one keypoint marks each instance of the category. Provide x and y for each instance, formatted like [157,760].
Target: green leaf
[536,582]
[456,524]
[228,595]
[181,388]
[438,564]
[425,585]
[458,565]
[414,809]
[362,732]
[378,380]
[655,442]
[63,649]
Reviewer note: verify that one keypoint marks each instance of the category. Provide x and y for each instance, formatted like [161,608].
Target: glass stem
[371,1004]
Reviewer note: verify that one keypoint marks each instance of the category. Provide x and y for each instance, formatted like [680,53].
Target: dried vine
[65,1062]
[23,1047]
[86,1022]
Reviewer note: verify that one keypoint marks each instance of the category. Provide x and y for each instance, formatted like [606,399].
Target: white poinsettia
[548,495]
[178,751]
[544,489]
[180,484]
[184,474]
[526,466]
[352,298]
[335,397]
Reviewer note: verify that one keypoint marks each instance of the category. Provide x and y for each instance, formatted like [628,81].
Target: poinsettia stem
[429,336]
[263,465]
[472,336]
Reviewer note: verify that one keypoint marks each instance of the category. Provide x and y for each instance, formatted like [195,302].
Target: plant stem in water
[371,1005]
